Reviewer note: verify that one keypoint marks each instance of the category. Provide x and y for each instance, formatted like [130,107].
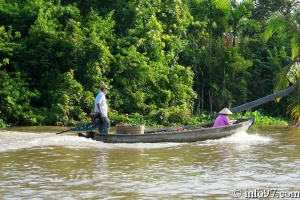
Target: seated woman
[222,119]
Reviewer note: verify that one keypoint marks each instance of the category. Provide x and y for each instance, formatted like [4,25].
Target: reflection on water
[39,165]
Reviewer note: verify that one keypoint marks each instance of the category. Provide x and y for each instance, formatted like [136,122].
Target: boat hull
[210,133]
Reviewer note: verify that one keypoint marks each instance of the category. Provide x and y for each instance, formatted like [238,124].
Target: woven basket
[139,129]
[120,129]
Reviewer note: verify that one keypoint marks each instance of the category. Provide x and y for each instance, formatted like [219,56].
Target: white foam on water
[240,138]
[13,141]
[240,141]
[244,137]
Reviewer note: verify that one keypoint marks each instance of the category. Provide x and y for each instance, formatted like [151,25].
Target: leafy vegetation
[167,62]
[261,119]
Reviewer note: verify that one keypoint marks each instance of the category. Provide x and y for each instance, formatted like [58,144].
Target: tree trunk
[261,101]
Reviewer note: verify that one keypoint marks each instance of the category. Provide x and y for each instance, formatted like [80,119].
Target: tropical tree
[205,48]
[262,10]
[7,45]
[61,48]
[287,22]
[223,67]
[239,17]
[15,95]
[147,74]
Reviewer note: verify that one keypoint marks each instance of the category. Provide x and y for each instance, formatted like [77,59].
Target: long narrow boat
[190,133]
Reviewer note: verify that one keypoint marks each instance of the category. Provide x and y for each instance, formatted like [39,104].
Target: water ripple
[39,165]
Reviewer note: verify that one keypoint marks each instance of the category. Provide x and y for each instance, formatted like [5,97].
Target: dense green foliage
[166,62]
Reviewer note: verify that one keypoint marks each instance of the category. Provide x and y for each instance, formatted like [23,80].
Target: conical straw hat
[226,111]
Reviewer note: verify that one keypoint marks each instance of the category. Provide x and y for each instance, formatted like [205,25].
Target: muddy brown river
[263,162]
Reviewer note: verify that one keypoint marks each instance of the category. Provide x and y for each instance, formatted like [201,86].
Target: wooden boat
[191,133]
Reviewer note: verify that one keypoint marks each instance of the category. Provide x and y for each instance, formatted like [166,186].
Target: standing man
[102,108]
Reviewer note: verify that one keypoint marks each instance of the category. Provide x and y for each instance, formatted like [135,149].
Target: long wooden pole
[261,101]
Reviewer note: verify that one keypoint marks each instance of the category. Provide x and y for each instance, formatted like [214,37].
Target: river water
[38,164]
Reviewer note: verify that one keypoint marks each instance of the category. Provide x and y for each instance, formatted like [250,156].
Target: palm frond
[294,103]
[281,80]
[274,24]
[252,25]
[294,47]
[223,5]
[289,25]
[296,16]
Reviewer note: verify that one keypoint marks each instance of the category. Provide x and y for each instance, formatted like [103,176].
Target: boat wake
[241,141]
[242,138]
[14,141]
